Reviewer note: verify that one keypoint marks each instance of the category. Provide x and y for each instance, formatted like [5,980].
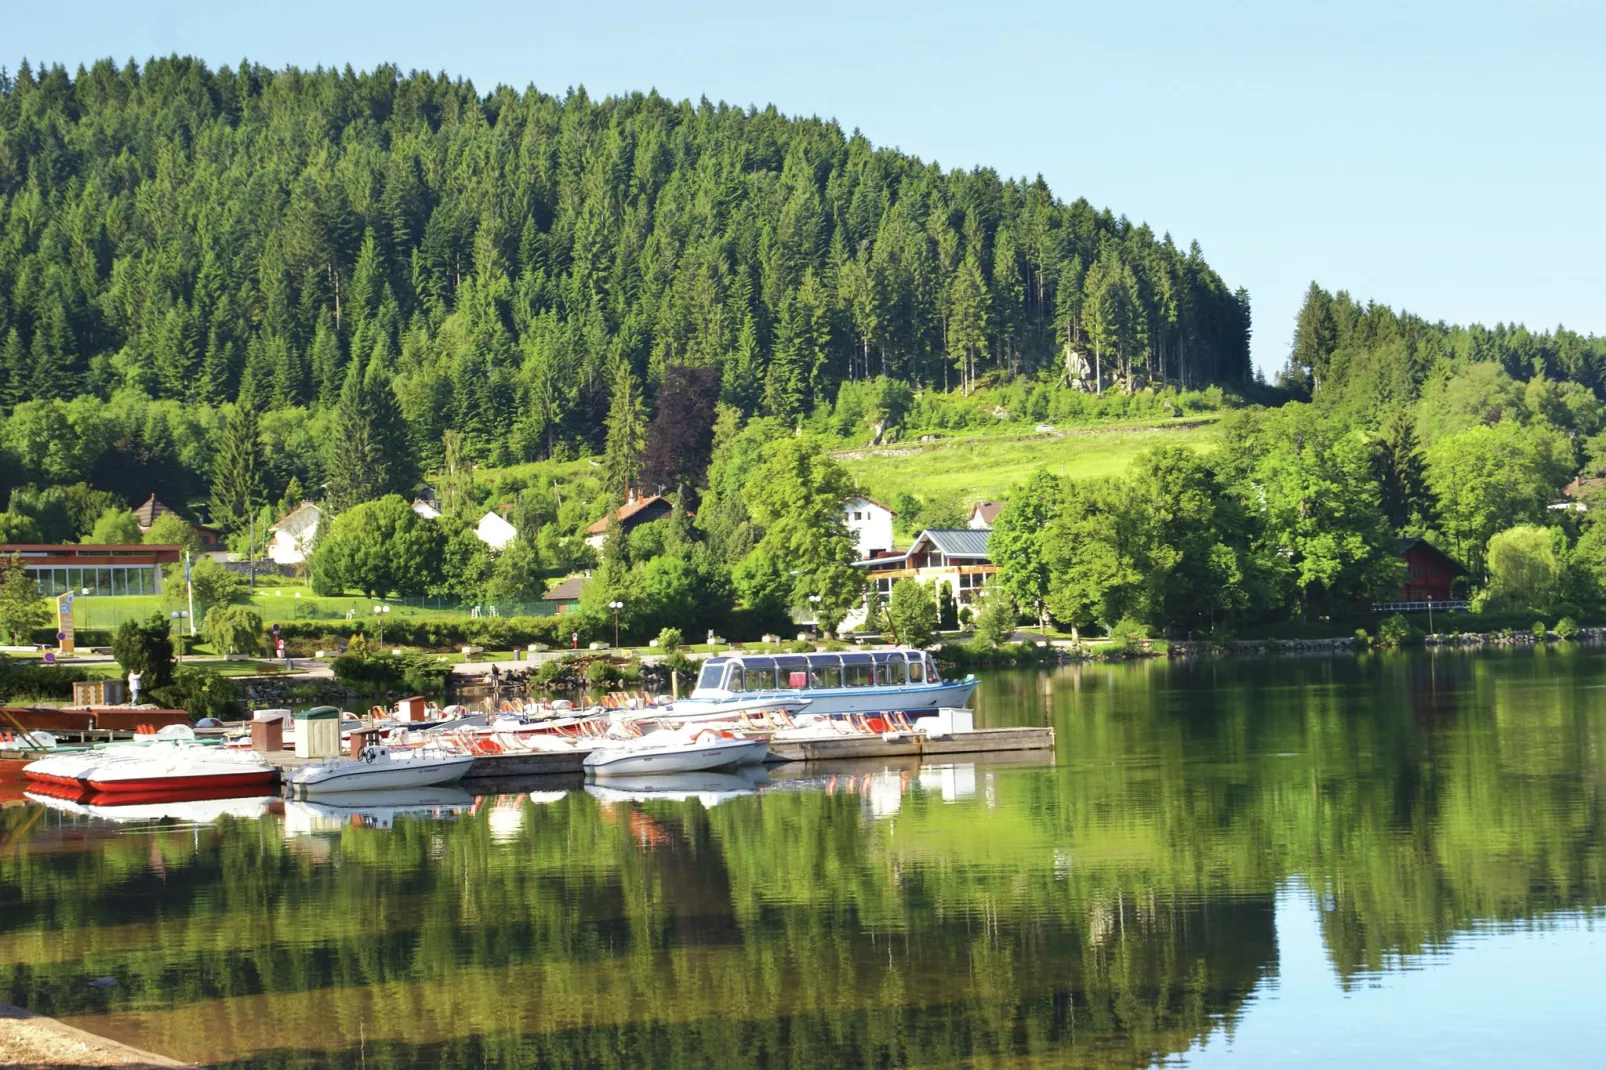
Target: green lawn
[989,465]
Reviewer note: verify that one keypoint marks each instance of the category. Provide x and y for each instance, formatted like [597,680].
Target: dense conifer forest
[279,237]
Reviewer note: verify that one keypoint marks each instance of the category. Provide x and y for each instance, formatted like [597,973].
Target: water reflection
[1122,902]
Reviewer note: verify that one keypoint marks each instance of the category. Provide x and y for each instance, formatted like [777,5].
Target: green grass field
[988,466]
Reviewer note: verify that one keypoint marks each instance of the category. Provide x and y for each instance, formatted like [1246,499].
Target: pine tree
[237,469]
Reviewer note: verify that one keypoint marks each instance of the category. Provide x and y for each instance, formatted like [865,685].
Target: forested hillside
[489,264]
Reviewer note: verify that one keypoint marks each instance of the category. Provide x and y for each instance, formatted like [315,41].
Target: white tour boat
[905,681]
[380,769]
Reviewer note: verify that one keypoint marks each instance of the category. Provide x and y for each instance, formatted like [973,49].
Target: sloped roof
[297,511]
[957,542]
[567,591]
[628,511]
[872,501]
[988,511]
[1583,486]
[1406,545]
[149,510]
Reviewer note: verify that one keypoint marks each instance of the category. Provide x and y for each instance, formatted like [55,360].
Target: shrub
[21,677]
[1395,631]
[670,640]
[997,620]
[202,694]
[147,649]
[600,673]
[385,675]
[685,666]
[1566,628]
[553,674]
[1539,629]
[1362,640]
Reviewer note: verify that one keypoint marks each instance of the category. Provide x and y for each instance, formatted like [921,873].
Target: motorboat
[380,768]
[904,681]
[691,750]
[154,769]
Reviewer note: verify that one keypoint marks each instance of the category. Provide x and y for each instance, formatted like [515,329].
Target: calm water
[1389,860]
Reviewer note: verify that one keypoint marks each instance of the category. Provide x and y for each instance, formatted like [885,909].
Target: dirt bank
[32,1042]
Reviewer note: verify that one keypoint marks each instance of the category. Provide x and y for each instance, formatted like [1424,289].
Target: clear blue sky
[1446,157]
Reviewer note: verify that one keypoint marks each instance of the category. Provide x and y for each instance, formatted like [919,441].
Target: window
[890,673]
[858,674]
[824,675]
[736,682]
[760,675]
[917,670]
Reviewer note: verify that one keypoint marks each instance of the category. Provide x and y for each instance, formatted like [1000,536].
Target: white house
[870,524]
[292,536]
[952,557]
[982,515]
[494,531]
[426,509]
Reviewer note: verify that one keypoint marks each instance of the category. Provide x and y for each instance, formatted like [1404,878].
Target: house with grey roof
[956,557]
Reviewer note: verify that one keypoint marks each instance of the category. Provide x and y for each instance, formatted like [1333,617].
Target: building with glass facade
[94,570]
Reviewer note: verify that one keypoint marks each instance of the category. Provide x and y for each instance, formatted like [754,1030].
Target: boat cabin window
[857,671]
[713,672]
[917,669]
[734,681]
[760,674]
[792,672]
[889,670]
[825,672]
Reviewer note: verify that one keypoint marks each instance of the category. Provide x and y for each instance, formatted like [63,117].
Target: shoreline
[30,1041]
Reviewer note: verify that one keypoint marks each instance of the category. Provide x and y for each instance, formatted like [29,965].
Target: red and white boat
[155,769]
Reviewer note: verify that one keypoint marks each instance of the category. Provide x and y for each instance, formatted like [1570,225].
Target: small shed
[565,595]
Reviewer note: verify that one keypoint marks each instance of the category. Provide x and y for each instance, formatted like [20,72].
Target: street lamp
[814,605]
[380,612]
[1430,614]
[180,614]
[616,607]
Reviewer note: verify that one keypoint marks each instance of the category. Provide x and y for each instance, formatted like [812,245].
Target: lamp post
[180,615]
[379,612]
[1430,614]
[814,605]
[711,650]
[616,607]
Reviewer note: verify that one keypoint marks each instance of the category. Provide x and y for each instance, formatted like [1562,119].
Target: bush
[553,674]
[1127,635]
[25,677]
[147,649]
[600,674]
[1395,632]
[202,694]
[409,674]
[670,640]
[686,667]
[1566,628]
[1539,630]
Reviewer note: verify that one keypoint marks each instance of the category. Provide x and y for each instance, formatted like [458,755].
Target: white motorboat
[380,769]
[684,751]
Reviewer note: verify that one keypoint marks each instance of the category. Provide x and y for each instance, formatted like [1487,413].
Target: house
[147,512]
[426,509]
[96,570]
[292,537]
[954,557]
[1430,573]
[982,515]
[631,515]
[565,595]
[494,530]
[1577,495]
[870,524]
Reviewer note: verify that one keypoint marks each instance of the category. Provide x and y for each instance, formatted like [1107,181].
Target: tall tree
[627,434]
[237,469]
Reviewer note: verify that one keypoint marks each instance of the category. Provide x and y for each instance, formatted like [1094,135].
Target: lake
[1388,859]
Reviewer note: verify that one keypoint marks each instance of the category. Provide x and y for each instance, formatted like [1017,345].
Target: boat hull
[265,779]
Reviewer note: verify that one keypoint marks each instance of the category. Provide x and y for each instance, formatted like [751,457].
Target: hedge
[446,633]
[33,679]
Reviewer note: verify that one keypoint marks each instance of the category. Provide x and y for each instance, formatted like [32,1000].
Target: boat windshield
[713,670]
[917,668]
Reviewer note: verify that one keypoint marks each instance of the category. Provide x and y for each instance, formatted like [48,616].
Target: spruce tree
[627,434]
[237,469]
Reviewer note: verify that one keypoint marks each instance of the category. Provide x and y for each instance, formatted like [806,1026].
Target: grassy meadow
[983,466]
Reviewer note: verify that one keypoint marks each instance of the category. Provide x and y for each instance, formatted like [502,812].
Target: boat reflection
[372,809]
[710,789]
[190,811]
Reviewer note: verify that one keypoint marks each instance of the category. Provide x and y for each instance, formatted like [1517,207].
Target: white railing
[1419,607]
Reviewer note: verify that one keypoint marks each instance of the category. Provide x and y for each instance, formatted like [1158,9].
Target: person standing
[134,677]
